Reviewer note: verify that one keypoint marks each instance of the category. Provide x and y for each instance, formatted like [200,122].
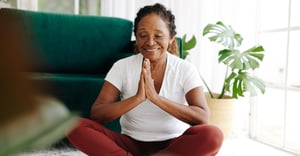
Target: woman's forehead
[152,21]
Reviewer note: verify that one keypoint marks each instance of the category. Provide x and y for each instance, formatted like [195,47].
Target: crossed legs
[94,139]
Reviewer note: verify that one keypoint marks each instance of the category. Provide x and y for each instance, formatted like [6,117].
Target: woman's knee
[74,130]
[208,133]
[82,124]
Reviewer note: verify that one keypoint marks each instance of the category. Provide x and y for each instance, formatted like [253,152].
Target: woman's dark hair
[166,15]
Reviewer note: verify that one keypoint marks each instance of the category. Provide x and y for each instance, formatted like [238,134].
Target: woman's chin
[149,54]
[152,55]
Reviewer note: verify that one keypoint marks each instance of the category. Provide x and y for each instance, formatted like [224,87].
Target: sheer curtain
[191,17]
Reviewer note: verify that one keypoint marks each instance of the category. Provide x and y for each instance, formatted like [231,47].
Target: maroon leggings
[94,139]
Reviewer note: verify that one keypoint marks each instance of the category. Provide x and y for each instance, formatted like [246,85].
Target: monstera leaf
[223,34]
[248,59]
[241,82]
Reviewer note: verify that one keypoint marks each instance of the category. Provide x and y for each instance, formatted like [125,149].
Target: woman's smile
[151,49]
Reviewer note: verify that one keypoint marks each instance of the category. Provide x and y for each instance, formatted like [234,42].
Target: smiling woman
[162,111]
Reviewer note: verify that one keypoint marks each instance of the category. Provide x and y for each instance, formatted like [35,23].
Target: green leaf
[228,81]
[244,82]
[258,84]
[184,54]
[231,58]
[252,57]
[187,45]
[190,44]
[235,91]
[223,34]
[248,59]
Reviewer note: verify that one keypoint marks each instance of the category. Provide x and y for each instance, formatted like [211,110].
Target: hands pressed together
[146,88]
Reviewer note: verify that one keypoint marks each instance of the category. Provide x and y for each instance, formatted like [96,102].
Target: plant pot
[222,113]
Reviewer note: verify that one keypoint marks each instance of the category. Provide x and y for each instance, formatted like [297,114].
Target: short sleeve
[114,75]
[191,78]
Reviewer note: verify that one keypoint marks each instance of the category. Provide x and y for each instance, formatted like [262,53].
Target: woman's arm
[197,112]
[107,108]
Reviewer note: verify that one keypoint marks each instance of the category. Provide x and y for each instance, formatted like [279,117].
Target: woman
[163,108]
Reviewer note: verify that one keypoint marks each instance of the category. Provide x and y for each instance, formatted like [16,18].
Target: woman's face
[153,37]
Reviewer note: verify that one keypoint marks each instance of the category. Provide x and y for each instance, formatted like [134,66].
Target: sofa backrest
[62,43]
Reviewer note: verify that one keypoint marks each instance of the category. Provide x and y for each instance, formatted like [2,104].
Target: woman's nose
[151,41]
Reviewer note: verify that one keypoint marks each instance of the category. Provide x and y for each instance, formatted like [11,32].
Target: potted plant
[239,64]
[238,79]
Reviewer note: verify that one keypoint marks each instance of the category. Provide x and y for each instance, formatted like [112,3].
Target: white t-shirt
[147,122]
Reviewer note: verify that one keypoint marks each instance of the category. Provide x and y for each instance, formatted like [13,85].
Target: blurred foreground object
[37,129]
[29,119]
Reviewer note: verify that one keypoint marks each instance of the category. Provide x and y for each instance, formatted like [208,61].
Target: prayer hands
[146,85]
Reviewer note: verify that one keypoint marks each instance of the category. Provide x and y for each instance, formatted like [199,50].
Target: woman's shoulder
[176,61]
[130,59]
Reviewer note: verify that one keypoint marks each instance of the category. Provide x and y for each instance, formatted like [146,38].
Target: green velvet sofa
[69,55]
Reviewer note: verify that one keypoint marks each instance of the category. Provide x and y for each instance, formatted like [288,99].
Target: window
[278,111]
[57,6]
[8,4]
[83,7]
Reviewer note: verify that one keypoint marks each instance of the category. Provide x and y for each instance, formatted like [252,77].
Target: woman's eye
[142,35]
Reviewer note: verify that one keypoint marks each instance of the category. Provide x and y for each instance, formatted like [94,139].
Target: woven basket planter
[222,113]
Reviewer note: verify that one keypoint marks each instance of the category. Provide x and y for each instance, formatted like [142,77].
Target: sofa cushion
[78,92]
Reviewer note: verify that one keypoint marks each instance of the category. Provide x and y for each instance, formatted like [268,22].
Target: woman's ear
[173,47]
[172,40]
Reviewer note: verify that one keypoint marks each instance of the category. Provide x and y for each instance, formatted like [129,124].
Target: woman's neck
[159,64]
